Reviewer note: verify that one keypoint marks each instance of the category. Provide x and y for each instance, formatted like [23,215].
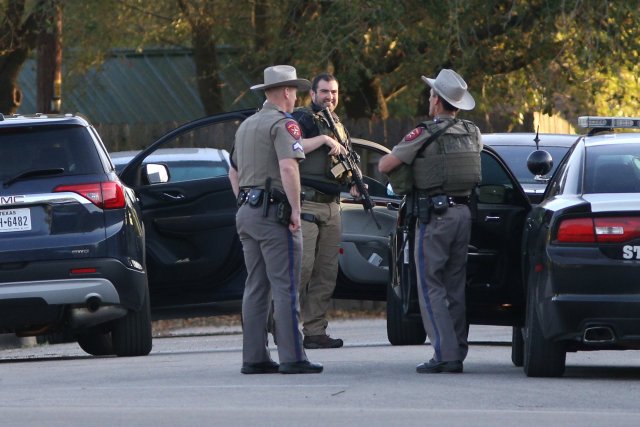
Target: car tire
[97,343]
[517,346]
[131,334]
[400,330]
[542,357]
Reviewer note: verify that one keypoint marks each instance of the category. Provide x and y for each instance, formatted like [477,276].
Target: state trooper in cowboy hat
[282,75]
[444,155]
[265,178]
[452,88]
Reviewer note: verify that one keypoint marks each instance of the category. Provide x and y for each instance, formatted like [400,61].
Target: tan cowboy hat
[282,75]
[452,88]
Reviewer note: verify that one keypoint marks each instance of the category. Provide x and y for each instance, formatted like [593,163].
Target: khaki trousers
[321,245]
[272,256]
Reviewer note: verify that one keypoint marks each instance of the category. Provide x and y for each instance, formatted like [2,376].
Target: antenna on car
[536,139]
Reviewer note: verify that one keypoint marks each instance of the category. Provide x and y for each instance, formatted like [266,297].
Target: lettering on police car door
[631,252]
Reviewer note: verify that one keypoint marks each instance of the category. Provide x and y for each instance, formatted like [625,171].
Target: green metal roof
[156,85]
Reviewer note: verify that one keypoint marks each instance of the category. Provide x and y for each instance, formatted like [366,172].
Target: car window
[193,169]
[612,169]
[516,158]
[374,180]
[70,148]
[558,180]
[496,186]
[184,164]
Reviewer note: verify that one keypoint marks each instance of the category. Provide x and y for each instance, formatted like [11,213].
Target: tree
[518,56]
[19,29]
[49,46]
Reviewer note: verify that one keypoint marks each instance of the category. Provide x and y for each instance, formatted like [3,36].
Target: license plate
[15,220]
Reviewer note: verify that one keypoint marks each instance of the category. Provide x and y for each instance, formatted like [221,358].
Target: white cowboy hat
[282,75]
[452,88]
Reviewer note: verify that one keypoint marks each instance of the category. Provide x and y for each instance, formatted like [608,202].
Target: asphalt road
[193,379]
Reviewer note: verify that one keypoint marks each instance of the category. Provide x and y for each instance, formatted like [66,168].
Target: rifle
[350,163]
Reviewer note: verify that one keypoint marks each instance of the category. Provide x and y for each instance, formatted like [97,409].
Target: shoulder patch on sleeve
[414,134]
[297,146]
[293,129]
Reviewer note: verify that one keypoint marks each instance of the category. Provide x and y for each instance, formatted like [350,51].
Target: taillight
[576,230]
[105,195]
[617,230]
[600,230]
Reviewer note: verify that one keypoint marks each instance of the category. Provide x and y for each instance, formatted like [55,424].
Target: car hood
[613,202]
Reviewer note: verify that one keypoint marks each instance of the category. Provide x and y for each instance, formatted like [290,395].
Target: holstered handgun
[283,207]
[267,196]
[424,208]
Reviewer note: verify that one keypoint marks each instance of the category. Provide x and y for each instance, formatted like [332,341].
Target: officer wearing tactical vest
[445,173]
[265,178]
[322,180]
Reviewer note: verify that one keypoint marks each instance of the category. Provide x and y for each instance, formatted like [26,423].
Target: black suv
[72,257]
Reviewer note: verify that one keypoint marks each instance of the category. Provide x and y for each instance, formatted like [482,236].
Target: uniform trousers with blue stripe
[272,256]
[441,258]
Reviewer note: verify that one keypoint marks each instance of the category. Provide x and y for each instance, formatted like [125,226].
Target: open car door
[193,254]
[494,289]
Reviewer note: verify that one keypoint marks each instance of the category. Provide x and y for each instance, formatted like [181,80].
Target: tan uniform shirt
[261,142]
[407,149]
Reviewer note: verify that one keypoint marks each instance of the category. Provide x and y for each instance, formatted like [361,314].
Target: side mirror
[539,162]
[156,173]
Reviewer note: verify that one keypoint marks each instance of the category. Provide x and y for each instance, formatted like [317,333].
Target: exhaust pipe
[598,335]
[93,304]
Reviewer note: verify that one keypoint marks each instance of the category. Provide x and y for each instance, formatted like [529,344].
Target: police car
[581,251]
[562,272]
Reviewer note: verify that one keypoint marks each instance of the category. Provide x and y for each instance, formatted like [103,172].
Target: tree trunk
[207,70]
[49,71]
[361,100]
[10,93]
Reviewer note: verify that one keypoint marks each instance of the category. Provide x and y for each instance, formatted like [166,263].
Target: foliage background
[567,57]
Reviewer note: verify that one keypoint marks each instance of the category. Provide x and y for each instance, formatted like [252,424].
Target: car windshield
[612,169]
[516,158]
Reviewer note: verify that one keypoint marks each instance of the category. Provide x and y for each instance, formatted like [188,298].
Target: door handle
[492,218]
[173,197]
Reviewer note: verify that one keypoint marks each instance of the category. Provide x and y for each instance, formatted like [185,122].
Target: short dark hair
[446,105]
[322,76]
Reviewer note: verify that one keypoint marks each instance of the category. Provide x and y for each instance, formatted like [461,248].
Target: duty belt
[458,200]
[453,200]
[256,196]
[319,197]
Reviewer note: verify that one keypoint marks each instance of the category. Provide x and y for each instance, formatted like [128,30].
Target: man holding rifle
[323,175]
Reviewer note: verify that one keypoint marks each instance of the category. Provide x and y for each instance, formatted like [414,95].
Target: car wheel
[400,330]
[542,357]
[97,343]
[517,346]
[131,334]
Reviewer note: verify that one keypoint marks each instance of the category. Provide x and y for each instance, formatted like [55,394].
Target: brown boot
[321,341]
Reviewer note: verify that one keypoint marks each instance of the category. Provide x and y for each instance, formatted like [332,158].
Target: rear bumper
[568,316]
[53,282]
[581,288]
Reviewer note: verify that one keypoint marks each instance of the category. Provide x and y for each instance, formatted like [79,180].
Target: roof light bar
[608,122]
